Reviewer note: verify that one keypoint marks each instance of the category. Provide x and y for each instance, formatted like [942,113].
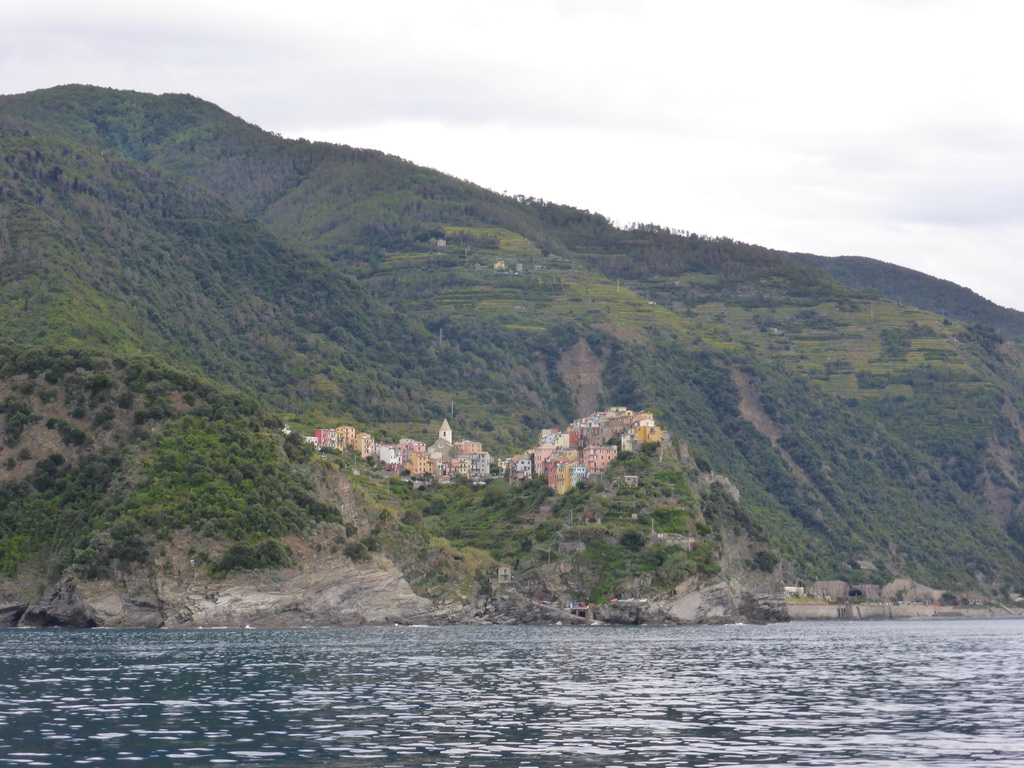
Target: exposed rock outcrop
[716,602]
[507,606]
[339,594]
[581,370]
[329,592]
[76,603]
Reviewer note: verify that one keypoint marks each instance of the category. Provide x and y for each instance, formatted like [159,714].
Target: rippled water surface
[850,694]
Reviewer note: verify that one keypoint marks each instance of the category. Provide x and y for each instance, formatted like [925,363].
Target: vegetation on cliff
[106,458]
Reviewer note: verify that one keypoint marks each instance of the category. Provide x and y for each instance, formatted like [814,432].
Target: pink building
[596,458]
[541,454]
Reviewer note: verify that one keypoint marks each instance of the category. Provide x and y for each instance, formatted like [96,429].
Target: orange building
[418,464]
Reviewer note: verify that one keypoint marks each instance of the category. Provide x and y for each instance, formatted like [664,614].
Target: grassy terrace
[539,298]
[399,260]
[506,242]
[833,343]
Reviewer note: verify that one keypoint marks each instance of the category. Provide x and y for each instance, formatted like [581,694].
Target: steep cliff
[333,591]
[328,591]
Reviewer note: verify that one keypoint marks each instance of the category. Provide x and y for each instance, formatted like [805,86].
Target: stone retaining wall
[838,611]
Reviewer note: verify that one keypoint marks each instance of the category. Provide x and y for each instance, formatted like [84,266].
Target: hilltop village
[581,451]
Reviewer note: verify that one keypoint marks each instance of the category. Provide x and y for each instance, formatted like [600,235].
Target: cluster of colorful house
[445,458]
[565,457]
[585,449]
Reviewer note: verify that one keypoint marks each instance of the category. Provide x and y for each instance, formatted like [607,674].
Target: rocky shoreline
[334,591]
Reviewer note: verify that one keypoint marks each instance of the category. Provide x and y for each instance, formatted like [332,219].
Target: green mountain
[106,253]
[908,286]
[337,284]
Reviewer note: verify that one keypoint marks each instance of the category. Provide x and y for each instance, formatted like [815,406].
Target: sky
[892,129]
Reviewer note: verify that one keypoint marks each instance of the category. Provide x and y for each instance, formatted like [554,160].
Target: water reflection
[880,694]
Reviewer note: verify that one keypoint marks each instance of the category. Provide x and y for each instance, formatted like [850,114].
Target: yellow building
[346,437]
[648,432]
[365,444]
[564,477]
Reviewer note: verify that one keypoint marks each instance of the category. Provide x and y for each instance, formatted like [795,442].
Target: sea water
[812,694]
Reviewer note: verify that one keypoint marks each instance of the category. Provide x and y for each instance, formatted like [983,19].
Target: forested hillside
[105,459]
[908,286]
[335,284]
[106,253]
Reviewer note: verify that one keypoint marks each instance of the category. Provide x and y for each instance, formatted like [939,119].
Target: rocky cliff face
[334,591]
[331,591]
[710,602]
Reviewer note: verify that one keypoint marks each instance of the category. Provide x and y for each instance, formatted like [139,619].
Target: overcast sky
[884,128]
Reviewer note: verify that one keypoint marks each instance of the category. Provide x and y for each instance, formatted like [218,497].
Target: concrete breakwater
[868,611]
